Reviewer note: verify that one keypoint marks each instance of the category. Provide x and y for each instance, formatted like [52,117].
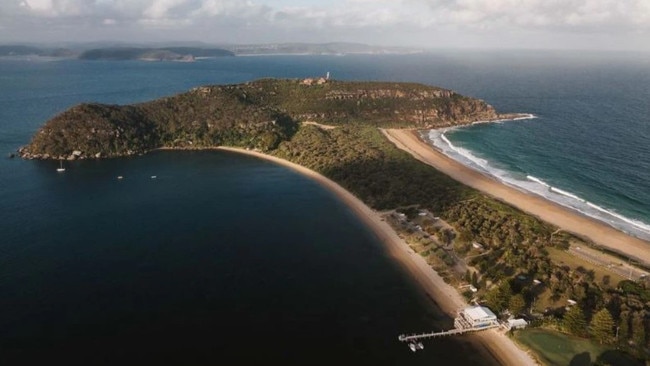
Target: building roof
[479,313]
[517,322]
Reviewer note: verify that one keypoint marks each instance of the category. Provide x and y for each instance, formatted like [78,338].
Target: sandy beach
[566,219]
[446,297]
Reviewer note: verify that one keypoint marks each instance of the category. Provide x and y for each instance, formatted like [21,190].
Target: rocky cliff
[258,114]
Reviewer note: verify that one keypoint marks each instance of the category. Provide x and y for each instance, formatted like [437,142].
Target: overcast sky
[556,24]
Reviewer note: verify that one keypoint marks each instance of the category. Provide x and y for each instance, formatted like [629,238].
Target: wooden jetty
[414,337]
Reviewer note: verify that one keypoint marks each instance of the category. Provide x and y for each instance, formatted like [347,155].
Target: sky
[498,24]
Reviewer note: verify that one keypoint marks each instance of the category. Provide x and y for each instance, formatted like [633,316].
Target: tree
[574,321]
[517,304]
[624,328]
[499,297]
[602,326]
[638,329]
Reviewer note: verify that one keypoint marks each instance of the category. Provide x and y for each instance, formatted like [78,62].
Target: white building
[517,323]
[475,317]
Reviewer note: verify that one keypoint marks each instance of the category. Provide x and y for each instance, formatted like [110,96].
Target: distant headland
[191,51]
[257,115]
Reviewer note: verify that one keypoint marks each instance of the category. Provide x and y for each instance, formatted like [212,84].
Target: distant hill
[190,51]
[335,48]
[22,50]
[153,54]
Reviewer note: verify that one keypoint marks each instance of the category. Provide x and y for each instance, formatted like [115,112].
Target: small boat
[119,177]
[60,168]
[153,177]
[420,345]
[413,347]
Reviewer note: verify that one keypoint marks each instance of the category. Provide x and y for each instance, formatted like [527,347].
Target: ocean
[587,145]
[226,257]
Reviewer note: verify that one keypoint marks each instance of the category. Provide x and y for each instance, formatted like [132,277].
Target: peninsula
[359,139]
[258,115]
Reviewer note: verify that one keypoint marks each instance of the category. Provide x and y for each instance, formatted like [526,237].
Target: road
[598,258]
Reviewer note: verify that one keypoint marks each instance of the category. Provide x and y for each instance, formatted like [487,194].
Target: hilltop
[258,114]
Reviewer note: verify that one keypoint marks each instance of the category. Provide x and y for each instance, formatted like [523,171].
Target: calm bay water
[227,256]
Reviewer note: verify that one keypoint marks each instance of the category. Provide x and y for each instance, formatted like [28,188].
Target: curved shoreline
[445,296]
[598,232]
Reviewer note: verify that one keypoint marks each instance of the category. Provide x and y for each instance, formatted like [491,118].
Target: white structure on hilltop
[475,317]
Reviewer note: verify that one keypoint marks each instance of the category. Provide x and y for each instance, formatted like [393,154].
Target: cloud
[484,14]
[578,15]
[305,20]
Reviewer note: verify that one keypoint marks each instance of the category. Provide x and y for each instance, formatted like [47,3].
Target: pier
[470,319]
[415,337]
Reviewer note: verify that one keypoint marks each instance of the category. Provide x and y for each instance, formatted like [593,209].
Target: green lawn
[554,348]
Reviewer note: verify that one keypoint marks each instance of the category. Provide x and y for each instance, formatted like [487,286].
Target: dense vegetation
[365,163]
[259,115]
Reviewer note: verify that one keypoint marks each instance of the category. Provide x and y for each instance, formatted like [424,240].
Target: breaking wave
[532,184]
[613,214]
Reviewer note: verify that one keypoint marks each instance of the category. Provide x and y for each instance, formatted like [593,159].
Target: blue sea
[587,145]
[226,257]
